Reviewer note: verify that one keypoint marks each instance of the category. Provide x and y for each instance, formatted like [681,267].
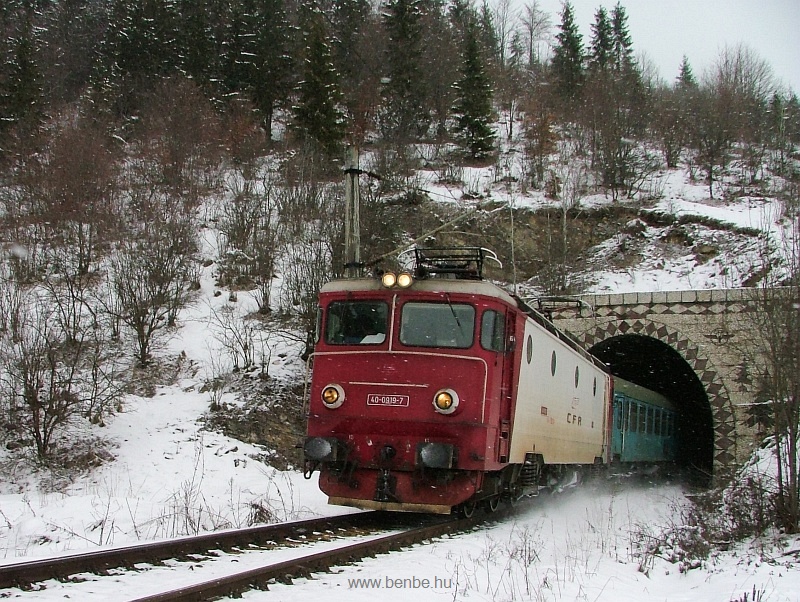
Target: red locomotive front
[410,397]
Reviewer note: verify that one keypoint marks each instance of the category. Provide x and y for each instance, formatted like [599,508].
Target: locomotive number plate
[380,399]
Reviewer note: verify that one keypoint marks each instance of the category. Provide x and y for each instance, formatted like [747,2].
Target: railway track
[261,577]
[23,574]
[407,531]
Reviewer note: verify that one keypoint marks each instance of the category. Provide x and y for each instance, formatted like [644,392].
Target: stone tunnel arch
[656,356]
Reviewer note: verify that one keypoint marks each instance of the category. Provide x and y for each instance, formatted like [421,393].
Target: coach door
[620,408]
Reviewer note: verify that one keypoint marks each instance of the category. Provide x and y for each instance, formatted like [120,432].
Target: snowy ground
[577,546]
[170,477]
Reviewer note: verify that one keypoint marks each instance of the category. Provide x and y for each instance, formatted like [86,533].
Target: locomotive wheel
[468,509]
[493,503]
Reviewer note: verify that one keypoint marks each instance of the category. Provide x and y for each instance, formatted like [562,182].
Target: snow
[171,477]
[575,546]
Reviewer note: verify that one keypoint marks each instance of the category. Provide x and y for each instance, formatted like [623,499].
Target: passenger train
[435,390]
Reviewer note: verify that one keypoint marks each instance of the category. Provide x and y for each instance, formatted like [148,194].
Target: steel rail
[22,574]
[262,577]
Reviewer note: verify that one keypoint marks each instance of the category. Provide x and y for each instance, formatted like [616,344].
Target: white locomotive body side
[562,406]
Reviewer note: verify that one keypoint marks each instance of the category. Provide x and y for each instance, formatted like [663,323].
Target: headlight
[404,280]
[445,401]
[388,279]
[333,396]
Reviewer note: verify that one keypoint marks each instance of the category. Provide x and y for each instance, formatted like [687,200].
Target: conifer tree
[602,44]
[460,12]
[623,46]
[793,119]
[197,42]
[352,27]
[256,60]
[440,57]
[139,46]
[488,34]
[67,52]
[404,91]
[567,65]
[237,44]
[473,108]
[21,93]
[146,38]
[317,116]
[685,79]
[271,75]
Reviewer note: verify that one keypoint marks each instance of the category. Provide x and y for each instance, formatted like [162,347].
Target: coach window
[356,323]
[493,330]
[437,325]
[634,423]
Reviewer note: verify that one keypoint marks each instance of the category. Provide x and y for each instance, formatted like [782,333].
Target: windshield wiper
[453,311]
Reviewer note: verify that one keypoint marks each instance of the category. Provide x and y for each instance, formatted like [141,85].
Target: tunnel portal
[655,365]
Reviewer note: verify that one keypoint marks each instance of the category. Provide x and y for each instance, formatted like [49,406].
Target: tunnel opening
[655,365]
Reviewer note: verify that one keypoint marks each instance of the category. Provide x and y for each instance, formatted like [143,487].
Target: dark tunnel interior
[653,364]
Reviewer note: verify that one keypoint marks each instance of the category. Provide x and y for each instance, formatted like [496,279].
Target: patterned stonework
[696,324]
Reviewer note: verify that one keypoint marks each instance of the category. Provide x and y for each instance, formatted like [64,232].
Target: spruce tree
[567,65]
[440,59]
[138,47]
[146,38]
[21,96]
[238,43]
[352,25]
[488,34]
[473,108]
[197,44]
[792,118]
[460,13]
[602,44]
[404,92]
[256,59]
[317,116]
[271,77]
[623,46]
[685,79]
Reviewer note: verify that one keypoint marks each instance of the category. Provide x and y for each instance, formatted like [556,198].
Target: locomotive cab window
[318,325]
[437,325]
[356,323]
[493,330]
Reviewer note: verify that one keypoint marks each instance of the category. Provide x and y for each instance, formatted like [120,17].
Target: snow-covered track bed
[24,574]
[314,562]
[226,563]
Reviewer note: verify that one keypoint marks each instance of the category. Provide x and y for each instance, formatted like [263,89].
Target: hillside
[194,446]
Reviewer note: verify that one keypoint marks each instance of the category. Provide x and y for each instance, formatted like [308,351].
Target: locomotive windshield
[437,325]
[356,322]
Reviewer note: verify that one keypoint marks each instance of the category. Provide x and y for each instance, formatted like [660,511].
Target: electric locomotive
[435,389]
